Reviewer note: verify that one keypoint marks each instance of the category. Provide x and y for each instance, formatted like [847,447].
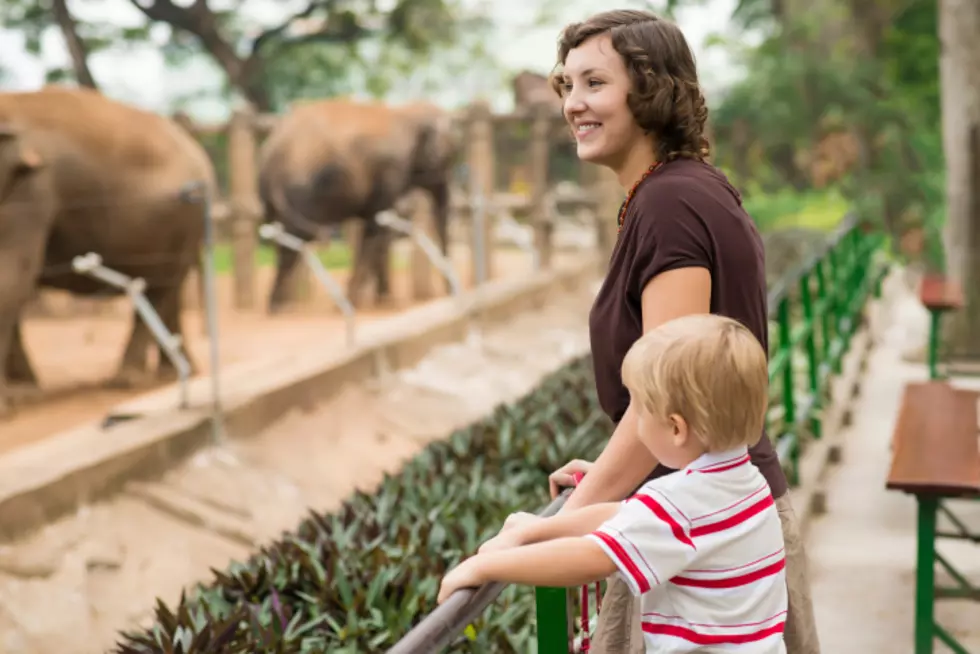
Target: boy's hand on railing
[464,575]
[565,475]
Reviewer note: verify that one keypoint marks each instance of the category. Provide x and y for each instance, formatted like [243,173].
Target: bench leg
[925,575]
[935,322]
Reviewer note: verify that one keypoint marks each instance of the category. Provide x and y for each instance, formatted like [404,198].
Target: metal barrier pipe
[449,619]
[393,221]
[91,264]
[276,232]
[517,237]
[198,192]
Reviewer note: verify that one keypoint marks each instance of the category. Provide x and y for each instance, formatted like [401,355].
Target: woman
[685,245]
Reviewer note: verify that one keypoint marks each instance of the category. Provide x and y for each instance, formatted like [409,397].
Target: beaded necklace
[632,192]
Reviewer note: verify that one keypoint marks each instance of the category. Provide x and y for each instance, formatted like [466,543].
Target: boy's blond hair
[710,370]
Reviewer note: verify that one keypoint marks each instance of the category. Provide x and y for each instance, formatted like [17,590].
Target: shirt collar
[719,461]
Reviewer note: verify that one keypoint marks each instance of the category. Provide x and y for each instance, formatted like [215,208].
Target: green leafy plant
[360,578]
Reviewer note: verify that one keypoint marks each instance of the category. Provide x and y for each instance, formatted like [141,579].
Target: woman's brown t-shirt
[684,214]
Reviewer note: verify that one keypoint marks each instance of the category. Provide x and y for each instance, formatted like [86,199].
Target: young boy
[702,546]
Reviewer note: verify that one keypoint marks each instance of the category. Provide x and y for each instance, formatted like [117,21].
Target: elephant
[329,160]
[79,173]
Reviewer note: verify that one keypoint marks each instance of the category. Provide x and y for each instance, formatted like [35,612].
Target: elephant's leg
[286,260]
[381,265]
[18,366]
[169,310]
[440,208]
[133,371]
[362,267]
[7,323]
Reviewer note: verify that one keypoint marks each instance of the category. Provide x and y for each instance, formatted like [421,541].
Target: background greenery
[838,106]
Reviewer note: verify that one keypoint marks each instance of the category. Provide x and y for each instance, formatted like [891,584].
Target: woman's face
[596,85]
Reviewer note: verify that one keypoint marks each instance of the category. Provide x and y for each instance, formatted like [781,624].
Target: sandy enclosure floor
[72,586]
[73,355]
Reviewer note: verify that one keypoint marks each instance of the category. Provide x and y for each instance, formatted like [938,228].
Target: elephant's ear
[30,158]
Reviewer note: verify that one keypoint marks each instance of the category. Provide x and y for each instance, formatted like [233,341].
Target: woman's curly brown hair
[666,99]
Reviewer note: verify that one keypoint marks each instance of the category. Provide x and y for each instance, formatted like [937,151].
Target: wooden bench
[936,456]
[939,295]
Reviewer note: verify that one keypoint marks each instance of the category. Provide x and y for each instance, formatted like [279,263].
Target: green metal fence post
[846,295]
[551,608]
[789,399]
[935,325]
[813,363]
[834,301]
[823,310]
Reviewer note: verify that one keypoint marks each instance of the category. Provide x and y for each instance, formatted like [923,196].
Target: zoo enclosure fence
[479,205]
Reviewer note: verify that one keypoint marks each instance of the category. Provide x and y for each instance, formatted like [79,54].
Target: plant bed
[358,579]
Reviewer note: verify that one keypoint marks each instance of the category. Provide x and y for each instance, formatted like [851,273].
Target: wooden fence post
[609,197]
[243,189]
[540,211]
[480,161]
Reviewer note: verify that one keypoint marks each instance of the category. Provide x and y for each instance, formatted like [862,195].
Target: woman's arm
[561,562]
[579,522]
[625,462]
[623,465]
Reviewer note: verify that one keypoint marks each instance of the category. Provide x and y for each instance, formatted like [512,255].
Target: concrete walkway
[862,551]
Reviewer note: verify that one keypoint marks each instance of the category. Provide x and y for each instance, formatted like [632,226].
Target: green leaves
[359,579]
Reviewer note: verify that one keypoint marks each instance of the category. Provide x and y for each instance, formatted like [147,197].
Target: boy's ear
[679,426]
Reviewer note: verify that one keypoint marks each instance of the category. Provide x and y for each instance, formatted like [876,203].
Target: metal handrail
[449,619]
[786,283]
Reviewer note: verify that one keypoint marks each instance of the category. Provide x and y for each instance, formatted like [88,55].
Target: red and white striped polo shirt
[704,548]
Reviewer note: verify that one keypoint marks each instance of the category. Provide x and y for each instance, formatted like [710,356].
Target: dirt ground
[74,354]
[69,588]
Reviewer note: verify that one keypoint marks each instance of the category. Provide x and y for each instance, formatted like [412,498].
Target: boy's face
[669,440]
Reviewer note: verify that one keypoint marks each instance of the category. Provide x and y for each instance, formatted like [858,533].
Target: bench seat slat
[935,442]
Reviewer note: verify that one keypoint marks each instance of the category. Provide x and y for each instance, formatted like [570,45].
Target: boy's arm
[560,562]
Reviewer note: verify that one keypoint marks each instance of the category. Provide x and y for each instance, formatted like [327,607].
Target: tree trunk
[959,67]
[197,18]
[76,47]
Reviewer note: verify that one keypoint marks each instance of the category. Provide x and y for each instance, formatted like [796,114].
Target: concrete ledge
[50,478]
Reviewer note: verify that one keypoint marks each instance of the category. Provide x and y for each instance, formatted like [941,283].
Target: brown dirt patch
[73,354]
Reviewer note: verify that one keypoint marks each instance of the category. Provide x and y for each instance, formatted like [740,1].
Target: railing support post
[813,363]
[826,337]
[789,401]
[554,629]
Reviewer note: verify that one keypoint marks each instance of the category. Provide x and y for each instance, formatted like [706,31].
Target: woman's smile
[585,130]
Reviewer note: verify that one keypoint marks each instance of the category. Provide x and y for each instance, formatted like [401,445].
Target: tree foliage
[315,48]
[839,94]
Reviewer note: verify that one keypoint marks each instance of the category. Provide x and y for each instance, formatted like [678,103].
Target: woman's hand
[505,540]
[565,475]
[465,575]
[509,535]
[518,519]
